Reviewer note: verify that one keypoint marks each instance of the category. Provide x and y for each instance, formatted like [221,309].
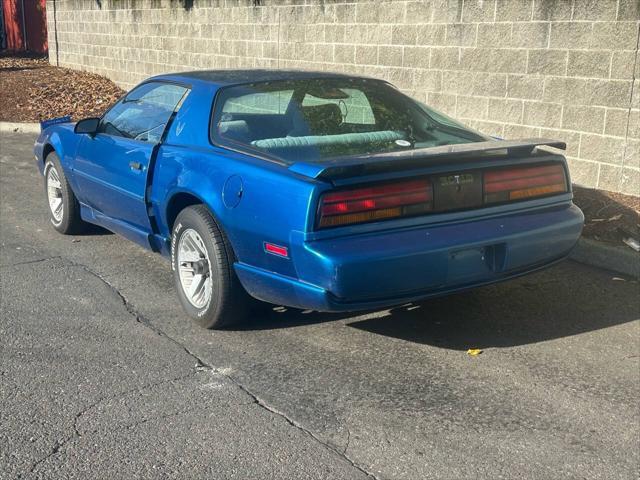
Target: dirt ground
[609,217]
[33,90]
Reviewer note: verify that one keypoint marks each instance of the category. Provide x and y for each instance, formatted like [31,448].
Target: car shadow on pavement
[558,303]
[92,230]
[520,314]
[277,317]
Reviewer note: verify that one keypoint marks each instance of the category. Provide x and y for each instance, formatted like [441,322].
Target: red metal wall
[35,21]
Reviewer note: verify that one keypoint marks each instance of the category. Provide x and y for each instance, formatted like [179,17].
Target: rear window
[263,103]
[317,119]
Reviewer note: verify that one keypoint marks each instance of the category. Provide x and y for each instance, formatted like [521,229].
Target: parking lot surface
[102,376]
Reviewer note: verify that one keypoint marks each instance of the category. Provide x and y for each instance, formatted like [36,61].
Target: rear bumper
[388,268]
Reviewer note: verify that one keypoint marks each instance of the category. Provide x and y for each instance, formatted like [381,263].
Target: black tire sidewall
[208,316]
[68,199]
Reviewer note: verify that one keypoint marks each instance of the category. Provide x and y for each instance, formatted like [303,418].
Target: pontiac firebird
[311,190]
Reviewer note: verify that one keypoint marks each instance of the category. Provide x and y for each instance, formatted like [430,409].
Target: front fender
[63,141]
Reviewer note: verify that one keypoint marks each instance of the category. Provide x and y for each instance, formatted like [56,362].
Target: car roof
[238,77]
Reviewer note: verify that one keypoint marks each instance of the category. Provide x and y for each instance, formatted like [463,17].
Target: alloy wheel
[54,194]
[194,269]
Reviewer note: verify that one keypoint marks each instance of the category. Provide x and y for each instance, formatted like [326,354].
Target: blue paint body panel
[256,201]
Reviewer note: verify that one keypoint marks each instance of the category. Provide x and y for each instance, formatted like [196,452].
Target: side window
[355,106]
[263,103]
[144,112]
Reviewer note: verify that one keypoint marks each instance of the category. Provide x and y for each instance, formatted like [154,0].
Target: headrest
[237,129]
[322,119]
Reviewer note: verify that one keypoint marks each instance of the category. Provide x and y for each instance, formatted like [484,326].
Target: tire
[201,253]
[64,208]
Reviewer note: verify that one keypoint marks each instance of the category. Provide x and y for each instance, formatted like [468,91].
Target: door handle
[136,166]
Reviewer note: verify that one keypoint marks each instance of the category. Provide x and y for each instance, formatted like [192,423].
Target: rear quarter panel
[271,207]
[273,203]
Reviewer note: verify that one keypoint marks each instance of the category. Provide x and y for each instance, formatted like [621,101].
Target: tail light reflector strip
[377,202]
[415,197]
[523,183]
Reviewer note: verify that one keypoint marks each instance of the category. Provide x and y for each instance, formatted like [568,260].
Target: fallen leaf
[632,243]
[474,352]
[26,97]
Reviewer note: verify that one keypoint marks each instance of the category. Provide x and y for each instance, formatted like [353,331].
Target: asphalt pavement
[102,376]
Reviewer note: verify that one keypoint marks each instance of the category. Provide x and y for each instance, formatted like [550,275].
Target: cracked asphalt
[102,376]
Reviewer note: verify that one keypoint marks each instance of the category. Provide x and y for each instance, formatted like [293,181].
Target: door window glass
[144,112]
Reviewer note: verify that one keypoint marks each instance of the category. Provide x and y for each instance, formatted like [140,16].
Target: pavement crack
[202,365]
[123,394]
[177,413]
[30,262]
[346,445]
[56,448]
[76,430]
[260,402]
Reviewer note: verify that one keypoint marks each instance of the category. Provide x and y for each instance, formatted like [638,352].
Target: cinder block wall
[566,69]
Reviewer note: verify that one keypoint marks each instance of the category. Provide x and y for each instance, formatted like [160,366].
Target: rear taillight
[458,192]
[360,205]
[523,183]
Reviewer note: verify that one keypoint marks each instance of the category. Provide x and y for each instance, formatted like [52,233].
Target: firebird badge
[460,179]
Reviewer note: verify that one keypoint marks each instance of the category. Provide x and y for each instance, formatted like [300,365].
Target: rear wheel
[64,209]
[202,262]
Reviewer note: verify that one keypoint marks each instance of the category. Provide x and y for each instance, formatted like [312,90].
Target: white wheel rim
[194,268]
[54,194]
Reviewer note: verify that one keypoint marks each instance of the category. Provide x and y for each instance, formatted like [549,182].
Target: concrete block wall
[566,69]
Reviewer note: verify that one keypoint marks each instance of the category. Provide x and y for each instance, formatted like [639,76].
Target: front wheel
[64,209]
[201,259]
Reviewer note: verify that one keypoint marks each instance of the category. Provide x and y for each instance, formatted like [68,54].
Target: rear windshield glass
[313,120]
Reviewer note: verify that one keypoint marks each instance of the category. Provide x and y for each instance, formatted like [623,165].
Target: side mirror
[88,125]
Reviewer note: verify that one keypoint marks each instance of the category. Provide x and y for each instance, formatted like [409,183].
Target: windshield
[318,119]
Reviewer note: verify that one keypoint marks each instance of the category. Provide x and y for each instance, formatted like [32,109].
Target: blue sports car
[313,190]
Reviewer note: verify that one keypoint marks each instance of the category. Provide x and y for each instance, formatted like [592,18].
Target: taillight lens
[375,203]
[523,183]
[415,197]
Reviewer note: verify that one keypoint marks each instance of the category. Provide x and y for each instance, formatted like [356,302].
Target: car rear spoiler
[352,166]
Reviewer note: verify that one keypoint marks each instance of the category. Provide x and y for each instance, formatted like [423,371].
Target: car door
[112,166]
